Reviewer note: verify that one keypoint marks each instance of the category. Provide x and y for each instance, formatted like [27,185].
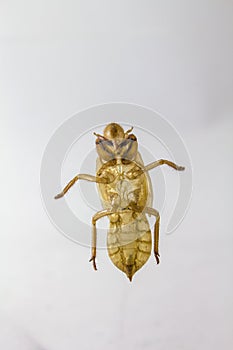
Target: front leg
[86,177]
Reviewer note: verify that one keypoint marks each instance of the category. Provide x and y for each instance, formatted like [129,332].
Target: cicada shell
[125,191]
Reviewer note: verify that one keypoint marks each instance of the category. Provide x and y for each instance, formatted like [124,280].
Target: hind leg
[154,212]
[97,216]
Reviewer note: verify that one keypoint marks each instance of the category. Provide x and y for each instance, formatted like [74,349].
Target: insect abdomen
[129,246]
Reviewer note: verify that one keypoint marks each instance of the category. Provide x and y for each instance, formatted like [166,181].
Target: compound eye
[98,141]
[132,137]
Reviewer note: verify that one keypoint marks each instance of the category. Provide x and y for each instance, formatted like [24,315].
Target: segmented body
[126,194]
[129,235]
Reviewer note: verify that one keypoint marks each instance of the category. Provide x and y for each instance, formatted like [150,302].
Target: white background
[58,57]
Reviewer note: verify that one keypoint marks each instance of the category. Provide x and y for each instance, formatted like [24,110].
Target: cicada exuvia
[125,191]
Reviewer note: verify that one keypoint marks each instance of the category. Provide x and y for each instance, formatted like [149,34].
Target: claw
[157,257]
[59,195]
[93,262]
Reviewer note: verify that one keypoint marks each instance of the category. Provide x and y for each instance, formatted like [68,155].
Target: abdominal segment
[129,244]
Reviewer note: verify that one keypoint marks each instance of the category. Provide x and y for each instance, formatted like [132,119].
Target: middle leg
[161,162]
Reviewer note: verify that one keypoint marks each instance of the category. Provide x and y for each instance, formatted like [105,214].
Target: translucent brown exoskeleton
[126,194]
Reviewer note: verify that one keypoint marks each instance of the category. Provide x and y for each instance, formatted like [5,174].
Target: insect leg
[97,216]
[86,177]
[161,162]
[155,212]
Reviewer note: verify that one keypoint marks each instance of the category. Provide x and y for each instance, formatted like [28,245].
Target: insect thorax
[128,187]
